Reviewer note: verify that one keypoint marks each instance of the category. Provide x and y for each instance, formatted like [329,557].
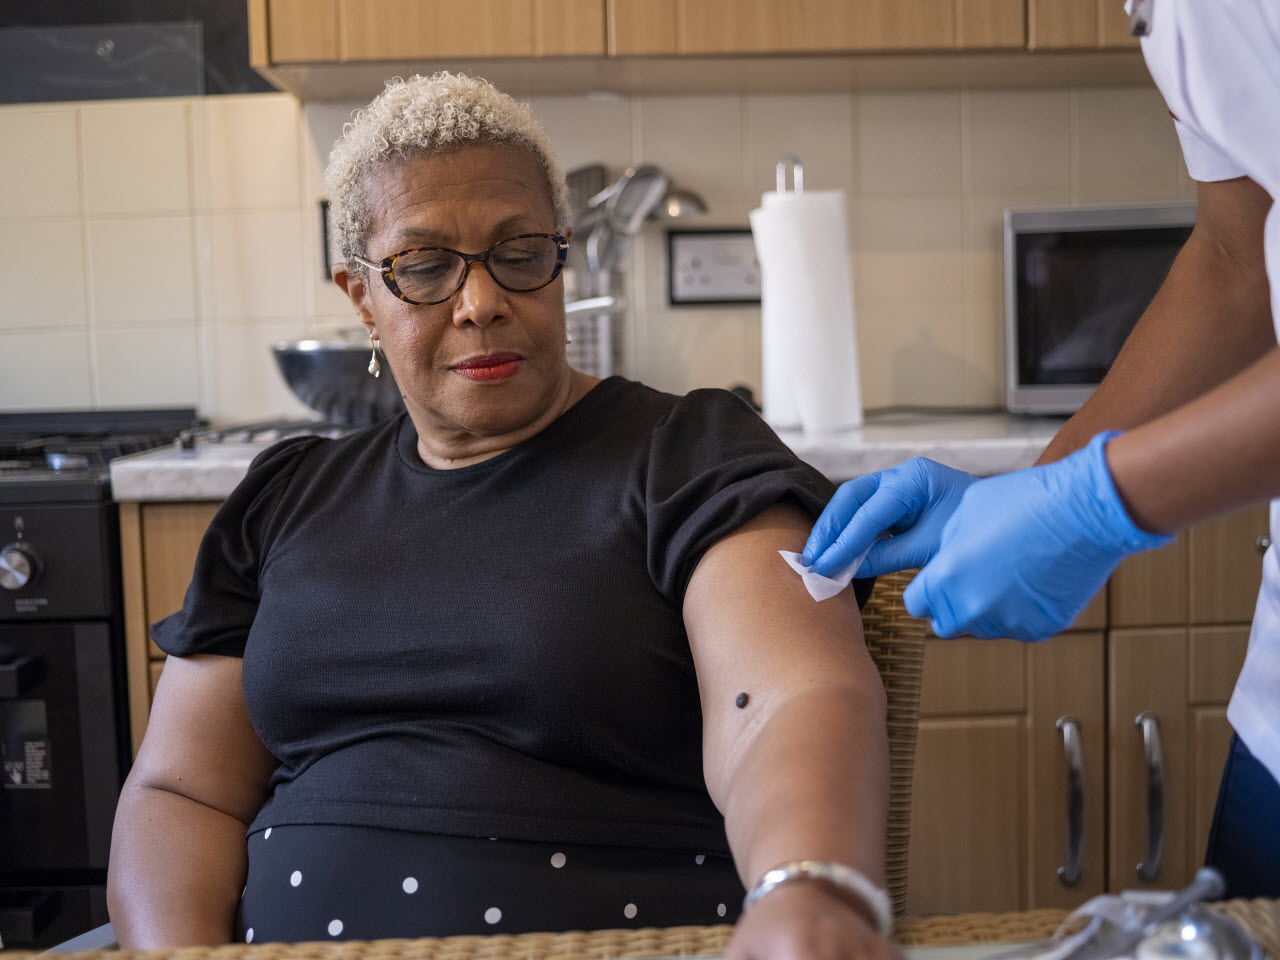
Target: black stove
[64,729]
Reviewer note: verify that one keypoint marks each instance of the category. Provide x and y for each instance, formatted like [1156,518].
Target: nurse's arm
[801,770]
[178,859]
[1210,320]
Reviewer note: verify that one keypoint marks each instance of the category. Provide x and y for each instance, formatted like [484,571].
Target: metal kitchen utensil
[678,204]
[635,194]
[331,377]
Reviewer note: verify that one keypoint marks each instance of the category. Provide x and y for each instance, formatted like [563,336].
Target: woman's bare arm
[1209,321]
[801,771]
[178,859]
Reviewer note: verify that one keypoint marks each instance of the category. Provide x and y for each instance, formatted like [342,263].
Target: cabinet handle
[1153,751]
[1073,747]
[1262,542]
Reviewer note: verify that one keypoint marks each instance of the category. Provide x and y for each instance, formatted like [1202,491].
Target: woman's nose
[480,301]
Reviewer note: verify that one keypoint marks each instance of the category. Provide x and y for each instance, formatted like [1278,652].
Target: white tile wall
[153,250]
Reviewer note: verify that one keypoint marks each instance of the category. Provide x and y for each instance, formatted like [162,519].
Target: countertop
[984,444]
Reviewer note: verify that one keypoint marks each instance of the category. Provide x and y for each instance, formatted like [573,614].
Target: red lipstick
[489,367]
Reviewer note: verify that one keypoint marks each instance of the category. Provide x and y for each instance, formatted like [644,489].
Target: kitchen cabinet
[343,49]
[158,543]
[989,812]
[1078,24]
[644,27]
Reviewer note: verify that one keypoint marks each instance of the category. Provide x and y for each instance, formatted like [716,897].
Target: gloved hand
[913,500]
[1024,552]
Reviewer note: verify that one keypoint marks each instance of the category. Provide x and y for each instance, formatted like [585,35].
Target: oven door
[60,737]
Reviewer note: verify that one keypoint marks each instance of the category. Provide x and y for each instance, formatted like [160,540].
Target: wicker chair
[896,643]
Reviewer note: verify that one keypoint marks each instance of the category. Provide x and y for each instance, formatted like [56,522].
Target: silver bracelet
[845,877]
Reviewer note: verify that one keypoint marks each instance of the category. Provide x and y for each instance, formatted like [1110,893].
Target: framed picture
[712,267]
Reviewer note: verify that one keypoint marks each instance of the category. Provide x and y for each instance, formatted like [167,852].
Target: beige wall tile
[689,349]
[257,269]
[39,169]
[907,247]
[42,284]
[584,130]
[246,152]
[984,236]
[1019,140]
[984,346]
[914,352]
[142,271]
[135,157]
[247,382]
[45,371]
[150,367]
[908,143]
[817,128]
[1125,146]
[698,141]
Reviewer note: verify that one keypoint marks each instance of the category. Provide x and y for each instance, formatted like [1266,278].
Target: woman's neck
[448,447]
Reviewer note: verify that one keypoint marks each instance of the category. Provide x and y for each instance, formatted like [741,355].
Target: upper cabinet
[343,49]
[691,27]
[1077,25]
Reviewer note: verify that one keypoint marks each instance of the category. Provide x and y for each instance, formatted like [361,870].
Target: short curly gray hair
[424,116]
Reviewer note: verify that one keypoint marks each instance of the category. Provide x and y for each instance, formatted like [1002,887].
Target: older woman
[525,658]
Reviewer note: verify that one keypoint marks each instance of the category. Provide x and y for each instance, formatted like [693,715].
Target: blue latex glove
[1024,552]
[913,500]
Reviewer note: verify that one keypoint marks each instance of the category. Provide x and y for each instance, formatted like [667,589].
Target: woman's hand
[807,920]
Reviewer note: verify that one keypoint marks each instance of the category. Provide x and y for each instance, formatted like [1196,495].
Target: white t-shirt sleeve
[1205,162]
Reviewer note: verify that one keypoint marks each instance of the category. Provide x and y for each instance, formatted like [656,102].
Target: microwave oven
[1076,281]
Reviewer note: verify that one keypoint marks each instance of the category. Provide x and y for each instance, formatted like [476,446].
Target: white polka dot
[492,915]
[699,858]
[267,834]
[335,927]
[248,935]
[629,911]
[295,878]
[557,860]
[410,885]
[721,909]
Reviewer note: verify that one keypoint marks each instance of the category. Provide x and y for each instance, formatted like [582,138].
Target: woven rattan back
[896,643]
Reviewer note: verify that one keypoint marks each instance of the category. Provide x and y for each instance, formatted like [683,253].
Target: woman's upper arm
[200,742]
[754,629]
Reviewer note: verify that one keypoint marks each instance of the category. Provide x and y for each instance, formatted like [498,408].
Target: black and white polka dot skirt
[321,882]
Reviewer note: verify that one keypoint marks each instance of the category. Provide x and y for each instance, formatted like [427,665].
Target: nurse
[1185,426]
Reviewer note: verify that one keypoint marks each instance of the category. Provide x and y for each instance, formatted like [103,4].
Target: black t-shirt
[495,650]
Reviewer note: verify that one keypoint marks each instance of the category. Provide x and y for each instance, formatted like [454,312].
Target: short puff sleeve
[222,599]
[713,465]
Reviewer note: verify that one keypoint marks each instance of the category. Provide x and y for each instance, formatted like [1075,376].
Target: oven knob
[18,566]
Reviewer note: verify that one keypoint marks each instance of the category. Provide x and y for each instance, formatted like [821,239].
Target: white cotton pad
[820,587]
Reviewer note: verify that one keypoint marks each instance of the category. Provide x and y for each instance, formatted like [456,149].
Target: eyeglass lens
[520,264]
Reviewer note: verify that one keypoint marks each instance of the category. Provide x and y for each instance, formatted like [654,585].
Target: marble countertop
[984,444]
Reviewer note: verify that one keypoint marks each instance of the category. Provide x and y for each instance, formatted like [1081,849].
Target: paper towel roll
[808,337]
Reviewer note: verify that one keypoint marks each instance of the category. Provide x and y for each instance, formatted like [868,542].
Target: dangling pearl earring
[374,366]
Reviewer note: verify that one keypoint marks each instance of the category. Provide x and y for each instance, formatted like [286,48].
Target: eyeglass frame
[387,266]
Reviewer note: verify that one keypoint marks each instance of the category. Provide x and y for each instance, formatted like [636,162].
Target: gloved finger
[882,510]
[837,514]
[906,551]
[916,597]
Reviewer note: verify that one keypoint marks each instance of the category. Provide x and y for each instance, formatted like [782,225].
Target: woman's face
[466,200]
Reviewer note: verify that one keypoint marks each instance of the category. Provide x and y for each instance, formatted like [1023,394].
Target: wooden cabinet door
[1075,24]
[302,31]
[438,29]
[990,24]
[1225,567]
[989,802]
[1216,655]
[1149,679]
[171,534]
[800,26]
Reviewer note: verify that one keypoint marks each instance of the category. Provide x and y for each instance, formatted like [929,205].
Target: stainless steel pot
[332,378]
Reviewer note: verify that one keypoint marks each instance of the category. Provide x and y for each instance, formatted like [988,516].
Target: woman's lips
[490,367]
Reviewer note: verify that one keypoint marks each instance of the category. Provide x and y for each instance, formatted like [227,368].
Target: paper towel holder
[788,162]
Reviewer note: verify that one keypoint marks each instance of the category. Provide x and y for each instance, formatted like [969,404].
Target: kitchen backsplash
[152,250]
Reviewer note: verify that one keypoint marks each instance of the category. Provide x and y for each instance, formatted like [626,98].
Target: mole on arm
[741,701]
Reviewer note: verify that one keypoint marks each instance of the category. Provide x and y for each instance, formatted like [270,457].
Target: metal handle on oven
[1073,747]
[1153,751]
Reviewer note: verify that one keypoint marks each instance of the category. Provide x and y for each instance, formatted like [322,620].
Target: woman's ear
[355,285]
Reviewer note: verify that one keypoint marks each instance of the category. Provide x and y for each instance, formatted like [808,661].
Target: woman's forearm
[812,783]
[177,870]
[1217,453]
